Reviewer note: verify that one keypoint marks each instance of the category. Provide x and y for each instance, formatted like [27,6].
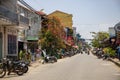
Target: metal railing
[12,16]
[24,20]
[9,15]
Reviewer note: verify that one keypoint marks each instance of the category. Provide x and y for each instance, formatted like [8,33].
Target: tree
[99,38]
[51,35]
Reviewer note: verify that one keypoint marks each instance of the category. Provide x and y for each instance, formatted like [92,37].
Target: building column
[1,42]
[4,41]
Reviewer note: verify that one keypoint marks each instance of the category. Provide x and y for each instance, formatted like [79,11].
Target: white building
[10,22]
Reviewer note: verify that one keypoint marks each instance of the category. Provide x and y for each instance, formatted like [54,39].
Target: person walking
[22,55]
[118,52]
[28,57]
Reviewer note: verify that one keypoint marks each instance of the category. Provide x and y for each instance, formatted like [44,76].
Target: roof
[40,13]
[25,7]
[59,12]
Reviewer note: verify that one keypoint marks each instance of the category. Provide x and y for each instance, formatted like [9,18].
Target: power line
[34,1]
[24,3]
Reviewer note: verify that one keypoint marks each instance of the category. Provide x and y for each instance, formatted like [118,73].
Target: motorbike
[49,59]
[88,53]
[106,57]
[9,66]
[25,66]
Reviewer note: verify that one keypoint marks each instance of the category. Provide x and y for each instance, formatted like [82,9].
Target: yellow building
[65,18]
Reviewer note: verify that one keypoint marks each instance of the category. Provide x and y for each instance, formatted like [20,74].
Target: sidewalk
[35,64]
[115,61]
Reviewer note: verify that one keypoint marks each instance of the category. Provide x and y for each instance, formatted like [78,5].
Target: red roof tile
[40,13]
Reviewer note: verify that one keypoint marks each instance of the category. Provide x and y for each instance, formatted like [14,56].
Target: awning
[32,38]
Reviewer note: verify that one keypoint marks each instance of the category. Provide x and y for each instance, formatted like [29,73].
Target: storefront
[32,43]
[8,42]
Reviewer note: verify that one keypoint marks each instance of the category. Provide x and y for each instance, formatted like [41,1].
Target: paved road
[78,67]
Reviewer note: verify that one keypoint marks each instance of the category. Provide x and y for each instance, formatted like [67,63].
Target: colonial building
[10,22]
[28,38]
[66,21]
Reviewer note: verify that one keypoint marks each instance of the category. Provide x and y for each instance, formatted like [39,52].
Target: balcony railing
[13,17]
[8,15]
[24,20]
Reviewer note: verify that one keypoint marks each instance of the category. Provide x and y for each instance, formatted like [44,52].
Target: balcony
[9,18]
[23,21]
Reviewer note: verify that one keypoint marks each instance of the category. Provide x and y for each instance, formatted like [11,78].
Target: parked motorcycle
[106,56]
[9,66]
[49,59]
[25,66]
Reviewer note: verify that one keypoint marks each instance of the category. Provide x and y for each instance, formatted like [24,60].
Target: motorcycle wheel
[20,71]
[2,71]
[55,59]
[42,61]
[25,69]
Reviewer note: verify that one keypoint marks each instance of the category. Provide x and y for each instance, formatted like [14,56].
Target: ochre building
[65,18]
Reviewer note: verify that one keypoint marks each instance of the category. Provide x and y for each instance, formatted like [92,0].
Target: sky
[88,15]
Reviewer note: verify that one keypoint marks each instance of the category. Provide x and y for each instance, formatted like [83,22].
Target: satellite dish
[117,27]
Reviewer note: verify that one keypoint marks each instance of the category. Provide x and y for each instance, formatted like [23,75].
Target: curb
[118,64]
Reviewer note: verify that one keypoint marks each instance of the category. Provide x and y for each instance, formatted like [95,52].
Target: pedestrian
[22,55]
[37,54]
[118,52]
[28,56]
[32,55]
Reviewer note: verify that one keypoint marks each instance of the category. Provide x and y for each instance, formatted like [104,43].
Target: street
[78,67]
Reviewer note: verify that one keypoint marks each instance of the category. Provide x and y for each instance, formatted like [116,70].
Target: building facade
[74,32]
[10,22]
[117,32]
[112,31]
[66,22]
[28,38]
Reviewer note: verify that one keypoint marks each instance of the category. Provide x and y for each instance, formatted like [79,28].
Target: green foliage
[51,36]
[98,39]
[109,51]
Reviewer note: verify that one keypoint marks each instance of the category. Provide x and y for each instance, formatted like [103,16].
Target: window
[12,44]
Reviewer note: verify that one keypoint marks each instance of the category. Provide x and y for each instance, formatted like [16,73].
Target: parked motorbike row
[101,55]
[53,59]
[7,66]
[71,53]
[85,51]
